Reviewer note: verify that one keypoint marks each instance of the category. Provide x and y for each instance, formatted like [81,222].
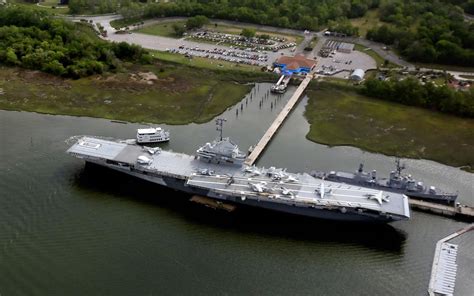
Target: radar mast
[219,126]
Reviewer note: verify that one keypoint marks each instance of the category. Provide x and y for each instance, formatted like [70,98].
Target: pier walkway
[258,149]
[444,268]
[461,211]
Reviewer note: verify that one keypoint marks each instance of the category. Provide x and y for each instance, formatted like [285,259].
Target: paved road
[165,43]
[469,17]
[375,46]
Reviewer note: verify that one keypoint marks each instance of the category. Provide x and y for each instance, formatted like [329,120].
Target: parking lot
[271,43]
[229,55]
[340,65]
[213,50]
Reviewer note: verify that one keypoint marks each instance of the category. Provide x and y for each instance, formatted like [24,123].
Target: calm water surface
[68,229]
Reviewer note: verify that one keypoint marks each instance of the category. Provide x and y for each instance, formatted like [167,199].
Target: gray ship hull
[180,185]
[272,188]
[349,178]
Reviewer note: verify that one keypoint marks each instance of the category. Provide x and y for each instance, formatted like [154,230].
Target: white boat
[152,135]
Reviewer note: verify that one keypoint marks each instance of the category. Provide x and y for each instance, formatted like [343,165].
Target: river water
[71,229]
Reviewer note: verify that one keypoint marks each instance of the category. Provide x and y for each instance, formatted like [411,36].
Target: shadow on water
[381,237]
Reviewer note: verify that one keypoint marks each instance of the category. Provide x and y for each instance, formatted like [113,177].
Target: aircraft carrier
[217,172]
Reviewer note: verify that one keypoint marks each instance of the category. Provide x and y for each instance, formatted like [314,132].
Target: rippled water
[68,229]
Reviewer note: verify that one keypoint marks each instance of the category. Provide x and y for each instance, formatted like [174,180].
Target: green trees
[196,22]
[411,92]
[248,33]
[343,26]
[427,31]
[31,39]
[100,6]
[300,14]
[179,30]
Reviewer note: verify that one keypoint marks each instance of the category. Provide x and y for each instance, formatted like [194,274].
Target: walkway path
[257,150]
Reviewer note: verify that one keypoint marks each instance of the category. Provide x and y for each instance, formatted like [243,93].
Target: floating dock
[444,268]
[281,85]
[258,149]
[461,211]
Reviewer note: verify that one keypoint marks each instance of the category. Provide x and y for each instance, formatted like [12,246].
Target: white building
[357,75]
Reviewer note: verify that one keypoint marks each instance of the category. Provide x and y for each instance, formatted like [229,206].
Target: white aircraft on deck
[291,179]
[378,197]
[287,192]
[259,187]
[277,175]
[253,170]
[206,172]
[322,191]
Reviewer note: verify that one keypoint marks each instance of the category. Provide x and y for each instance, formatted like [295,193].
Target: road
[164,43]
[468,17]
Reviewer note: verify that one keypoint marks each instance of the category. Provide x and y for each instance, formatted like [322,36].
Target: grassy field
[368,21]
[204,63]
[120,23]
[47,6]
[161,29]
[346,118]
[165,28]
[180,94]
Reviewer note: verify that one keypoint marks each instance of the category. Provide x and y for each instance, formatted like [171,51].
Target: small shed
[357,75]
[345,47]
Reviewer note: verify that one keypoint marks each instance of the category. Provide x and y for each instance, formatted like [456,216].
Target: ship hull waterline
[313,212]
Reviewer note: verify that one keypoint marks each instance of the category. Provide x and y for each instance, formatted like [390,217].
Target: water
[67,229]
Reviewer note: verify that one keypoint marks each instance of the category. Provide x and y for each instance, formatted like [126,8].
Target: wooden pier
[461,211]
[444,268]
[258,149]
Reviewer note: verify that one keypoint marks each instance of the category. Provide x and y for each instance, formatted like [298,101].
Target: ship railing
[155,172]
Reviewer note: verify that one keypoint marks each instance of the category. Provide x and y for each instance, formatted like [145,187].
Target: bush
[196,22]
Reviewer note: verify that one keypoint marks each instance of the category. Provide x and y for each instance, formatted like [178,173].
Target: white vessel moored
[152,135]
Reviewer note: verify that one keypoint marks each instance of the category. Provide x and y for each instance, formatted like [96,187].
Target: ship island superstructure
[232,182]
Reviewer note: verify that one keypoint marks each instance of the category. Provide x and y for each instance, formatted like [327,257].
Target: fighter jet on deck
[379,197]
[322,191]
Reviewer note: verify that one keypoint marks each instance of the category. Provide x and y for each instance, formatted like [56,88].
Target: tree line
[411,92]
[427,31]
[299,14]
[34,40]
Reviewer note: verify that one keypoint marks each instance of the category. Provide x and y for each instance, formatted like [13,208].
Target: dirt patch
[144,77]
[35,77]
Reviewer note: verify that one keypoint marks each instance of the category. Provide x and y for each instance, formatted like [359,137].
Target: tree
[179,30]
[196,22]
[10,57]
[248,33]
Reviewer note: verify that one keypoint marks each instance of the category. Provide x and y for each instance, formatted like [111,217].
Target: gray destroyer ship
[397,182]
[217,171]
